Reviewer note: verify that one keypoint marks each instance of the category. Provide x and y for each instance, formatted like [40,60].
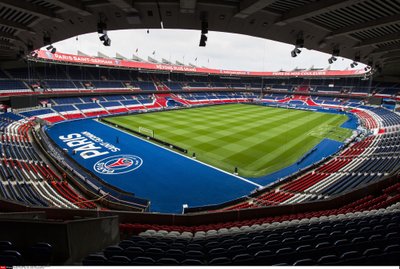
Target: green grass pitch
[258,140]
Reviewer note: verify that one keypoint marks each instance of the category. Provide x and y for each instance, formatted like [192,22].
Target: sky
[223,50]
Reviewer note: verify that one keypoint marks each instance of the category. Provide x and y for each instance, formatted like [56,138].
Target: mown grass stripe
[258,140]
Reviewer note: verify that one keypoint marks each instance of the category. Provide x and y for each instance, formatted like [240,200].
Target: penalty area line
[177,153]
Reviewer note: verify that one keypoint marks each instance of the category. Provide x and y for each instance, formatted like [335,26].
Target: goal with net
[146,131]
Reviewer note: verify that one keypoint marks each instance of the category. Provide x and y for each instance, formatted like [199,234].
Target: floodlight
[332,59]
[107,42]
[353,64]
[103,37]
[203,40]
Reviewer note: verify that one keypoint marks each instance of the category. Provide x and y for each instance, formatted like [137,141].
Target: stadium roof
[364,29]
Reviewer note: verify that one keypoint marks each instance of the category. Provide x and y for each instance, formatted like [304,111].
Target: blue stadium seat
[6,245]
[40,254]
[119,260]
[304,262]
[95,260]
[192,262]
[143,261]
[167,261]
[133,252]
[220,261]
[194,254]
[113,251]
[11,258]
[126,243]
[328,259]
[242,259]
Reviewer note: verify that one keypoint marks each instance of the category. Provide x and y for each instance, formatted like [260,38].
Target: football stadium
[133,161]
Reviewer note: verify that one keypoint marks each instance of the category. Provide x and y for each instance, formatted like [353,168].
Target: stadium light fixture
[102,31]
[353,64]
[332,59]
[299,44]
[52,49]
[335,54]
[107,42]
[105,39]
[203,40]
[296,51]
[357,59]
[204,32]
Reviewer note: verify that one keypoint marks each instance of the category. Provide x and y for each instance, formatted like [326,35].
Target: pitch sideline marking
[195,160]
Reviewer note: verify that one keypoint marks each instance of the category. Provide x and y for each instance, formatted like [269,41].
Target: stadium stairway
[153,103]
[178,99]
[306,99]
[162,100]
[366,118]
[162,87]
[303,88]
[285,100]
[310,102]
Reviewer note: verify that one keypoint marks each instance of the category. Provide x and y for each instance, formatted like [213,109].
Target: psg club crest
[119,164]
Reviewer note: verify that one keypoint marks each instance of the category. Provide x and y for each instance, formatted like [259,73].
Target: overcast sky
[223,50]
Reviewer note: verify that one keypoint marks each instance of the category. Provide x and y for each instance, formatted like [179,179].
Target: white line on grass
[213,167]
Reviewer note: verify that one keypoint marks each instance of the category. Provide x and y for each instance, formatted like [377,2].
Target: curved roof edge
[44,55]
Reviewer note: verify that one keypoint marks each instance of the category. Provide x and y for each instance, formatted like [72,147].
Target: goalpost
[146,131]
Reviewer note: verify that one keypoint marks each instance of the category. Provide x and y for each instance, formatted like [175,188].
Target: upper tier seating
[9,85]
[147,85]
[108,84]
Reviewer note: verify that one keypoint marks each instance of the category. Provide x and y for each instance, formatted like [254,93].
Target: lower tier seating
[368,237]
